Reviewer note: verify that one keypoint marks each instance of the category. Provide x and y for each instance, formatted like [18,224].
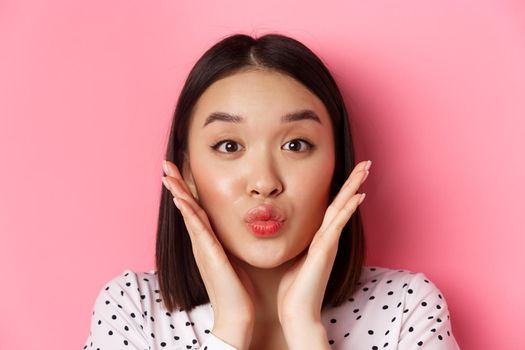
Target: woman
[264,247]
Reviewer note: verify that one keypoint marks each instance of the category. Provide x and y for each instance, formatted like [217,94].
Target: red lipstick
[265,220]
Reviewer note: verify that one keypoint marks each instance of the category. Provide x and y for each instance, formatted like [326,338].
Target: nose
[263,177]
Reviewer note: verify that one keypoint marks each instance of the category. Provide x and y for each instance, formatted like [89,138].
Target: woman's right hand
[229,287]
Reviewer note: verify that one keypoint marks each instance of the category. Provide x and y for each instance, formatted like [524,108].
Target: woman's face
[265,161]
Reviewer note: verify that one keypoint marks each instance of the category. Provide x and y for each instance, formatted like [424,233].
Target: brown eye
[295,145]
[231,146]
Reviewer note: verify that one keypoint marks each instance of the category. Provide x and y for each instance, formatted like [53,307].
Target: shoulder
[411,283]
[130,292]
[385,277]
[421,311]
[414,287]
[131,281]
[129,313]
[121,311]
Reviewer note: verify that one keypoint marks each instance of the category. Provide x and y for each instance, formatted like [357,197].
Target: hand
[229,287]
[302,288]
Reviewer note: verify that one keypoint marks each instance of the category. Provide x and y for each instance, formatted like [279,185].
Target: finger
[346,192]
[207,251]
[172,171]
[357,171]
[337,224]
[173,174]
[178,189]
[210,257]
[204,241]
[359,167]
[323,249]
[325,243]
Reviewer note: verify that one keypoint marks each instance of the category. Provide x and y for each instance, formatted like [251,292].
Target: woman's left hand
[302,288]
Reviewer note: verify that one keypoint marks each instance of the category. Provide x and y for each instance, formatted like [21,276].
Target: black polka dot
[168,326]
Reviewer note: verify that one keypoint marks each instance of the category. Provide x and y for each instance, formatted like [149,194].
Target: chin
[265,260]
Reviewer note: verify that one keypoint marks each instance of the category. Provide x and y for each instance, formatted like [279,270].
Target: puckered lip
[264,212]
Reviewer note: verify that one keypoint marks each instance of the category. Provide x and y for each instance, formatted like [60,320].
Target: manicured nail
[368,165]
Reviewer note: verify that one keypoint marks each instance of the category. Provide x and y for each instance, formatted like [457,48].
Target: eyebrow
[305,114]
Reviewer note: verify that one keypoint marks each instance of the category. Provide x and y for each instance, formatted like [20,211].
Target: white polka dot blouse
[392,309]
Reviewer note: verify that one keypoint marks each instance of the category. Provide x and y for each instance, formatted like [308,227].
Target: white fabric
[392,309]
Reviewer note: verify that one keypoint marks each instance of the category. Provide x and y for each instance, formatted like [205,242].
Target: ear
[187,175]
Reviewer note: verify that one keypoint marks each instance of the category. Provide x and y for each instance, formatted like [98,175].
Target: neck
[265,283]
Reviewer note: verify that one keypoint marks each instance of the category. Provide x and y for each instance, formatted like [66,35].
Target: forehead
[257,95]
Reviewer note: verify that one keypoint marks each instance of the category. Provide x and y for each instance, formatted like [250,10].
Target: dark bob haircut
[180,282]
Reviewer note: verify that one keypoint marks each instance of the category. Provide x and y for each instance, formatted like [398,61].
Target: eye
[226,142]
[231,146]
[295,144]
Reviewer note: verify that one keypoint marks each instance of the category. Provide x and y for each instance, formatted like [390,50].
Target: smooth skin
[266,293]
[300,288]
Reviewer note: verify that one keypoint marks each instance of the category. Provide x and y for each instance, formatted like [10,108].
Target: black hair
[180,282]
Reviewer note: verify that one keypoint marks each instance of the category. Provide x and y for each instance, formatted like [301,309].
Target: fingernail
[366,175]
[177,204]
[368,165]
[165,166]
[363,195]
[166,183]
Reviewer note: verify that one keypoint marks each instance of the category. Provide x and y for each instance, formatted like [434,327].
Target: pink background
[87,90]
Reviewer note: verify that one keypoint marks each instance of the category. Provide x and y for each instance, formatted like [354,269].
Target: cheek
[217,192]
[309,192]
[310,195]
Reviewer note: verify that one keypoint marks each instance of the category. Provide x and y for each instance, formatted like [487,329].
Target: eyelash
[310,146]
